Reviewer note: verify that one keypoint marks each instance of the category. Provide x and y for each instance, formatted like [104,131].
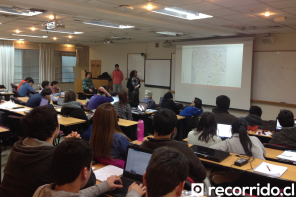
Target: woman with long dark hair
[241,142]
[206,132]
[133,85]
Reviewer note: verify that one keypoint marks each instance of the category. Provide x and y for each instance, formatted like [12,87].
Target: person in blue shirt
[26,88]
[99,98]
[34,101]
[45,84]
[148,99]
[194,109]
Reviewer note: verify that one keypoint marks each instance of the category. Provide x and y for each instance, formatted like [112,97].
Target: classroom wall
[117,54]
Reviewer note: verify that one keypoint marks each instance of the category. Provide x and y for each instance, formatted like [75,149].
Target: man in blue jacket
[192,110]
[34,101]
[26,88]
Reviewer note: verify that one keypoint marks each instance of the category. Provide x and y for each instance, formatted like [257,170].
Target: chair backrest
[14,124]
[13,86]
[2,86]
[15,93]
[81,96]
[193,121]
[278,147]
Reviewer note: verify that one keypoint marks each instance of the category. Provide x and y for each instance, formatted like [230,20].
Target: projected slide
[214,65]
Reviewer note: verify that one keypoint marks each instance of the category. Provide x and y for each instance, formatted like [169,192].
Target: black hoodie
[254,120]
[29,167]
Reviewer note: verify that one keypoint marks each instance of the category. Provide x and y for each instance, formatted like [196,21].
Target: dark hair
[286,118]
[132,74]
[207,125]
[197,102]
[86,73]
[167,168]
[122,95]
[40,123]
[240,126]
[167,96]
[70,96]
[30,80]
[255,110]
[116,65]
[223,102]
[100,92]
[69,158]
[46,91]
[164,121]
[53,83]
[44,84]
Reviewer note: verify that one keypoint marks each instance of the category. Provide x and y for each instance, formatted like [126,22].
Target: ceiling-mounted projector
[108,41]
[166,44]
[53,24]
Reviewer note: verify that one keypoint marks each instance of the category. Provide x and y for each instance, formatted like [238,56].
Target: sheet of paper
[105,172]
[7,105]
[21,109]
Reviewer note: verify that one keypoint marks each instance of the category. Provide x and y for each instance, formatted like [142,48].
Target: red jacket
[117,77]
[20,84]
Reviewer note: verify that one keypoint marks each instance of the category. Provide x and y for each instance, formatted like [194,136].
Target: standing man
[133,85]
[88,85]
[117,77]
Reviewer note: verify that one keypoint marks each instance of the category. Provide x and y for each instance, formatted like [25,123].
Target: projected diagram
[209,65]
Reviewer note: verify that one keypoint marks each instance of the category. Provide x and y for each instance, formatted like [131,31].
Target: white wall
[117,54]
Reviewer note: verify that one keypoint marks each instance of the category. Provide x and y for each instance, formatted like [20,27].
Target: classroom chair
[13,86]
[278,147]
[16,101]
[15,93]
[14,124]
[2,86]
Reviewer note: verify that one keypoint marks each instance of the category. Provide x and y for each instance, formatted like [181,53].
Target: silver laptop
[224,130]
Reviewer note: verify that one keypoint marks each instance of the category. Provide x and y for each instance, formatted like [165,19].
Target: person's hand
[136,87]
[112,179]
[90,90]
[73,134]
[102,89]
[141,189]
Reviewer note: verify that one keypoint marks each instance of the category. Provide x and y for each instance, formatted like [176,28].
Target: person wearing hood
[29,164]
[221,113]
[254,117]
[74,109]
[287,135]
[148,99]
[168,103]
[194,109]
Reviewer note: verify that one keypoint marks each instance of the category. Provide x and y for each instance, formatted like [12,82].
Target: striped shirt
[123,111]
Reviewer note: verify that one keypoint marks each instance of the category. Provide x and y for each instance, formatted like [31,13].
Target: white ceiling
[229,17]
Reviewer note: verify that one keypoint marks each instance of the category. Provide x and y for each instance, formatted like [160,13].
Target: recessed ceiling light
[111,25]
[181,13]
[10,39]
[63,32]
[149,7]
[267,14]
[54,38]
[70,36]
[17,31]
[51,17]
[30,36]
[16,11]
[169,33]
[33,28]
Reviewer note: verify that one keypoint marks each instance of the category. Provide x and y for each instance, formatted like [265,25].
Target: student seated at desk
[98,99]
[206,132]
[168,103]
[71,163]
[241,142]
[148,99]
[54,87]
[25,80]
[122,107]
[45,84]
[29,164]
[106,141]
[254,117]
[164,124]
[26,88]
[88,86]
[34,101]
[192,110]
[166,163]
[287,135]
[74,109]
[221,112]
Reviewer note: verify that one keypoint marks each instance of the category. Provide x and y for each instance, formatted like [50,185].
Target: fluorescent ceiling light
[19,11]
[181,13]
[63,32]
[111,25]
[10,39]
[169,33]
[30,36]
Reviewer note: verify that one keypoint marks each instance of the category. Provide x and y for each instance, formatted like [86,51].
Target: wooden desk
[23,99]
[254,133]
[126,123]
[81,101]
[272,153]
[6,95]
[68,121]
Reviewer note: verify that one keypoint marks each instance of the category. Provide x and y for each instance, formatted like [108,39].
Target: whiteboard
[173,72]
[274,76]
[158,73]
[136,62]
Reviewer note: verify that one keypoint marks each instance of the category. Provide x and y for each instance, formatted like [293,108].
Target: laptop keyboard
[125,183]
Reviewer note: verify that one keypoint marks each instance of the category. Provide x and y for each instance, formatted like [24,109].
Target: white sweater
[193,139]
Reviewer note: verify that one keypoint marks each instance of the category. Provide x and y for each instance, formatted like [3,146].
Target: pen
[267,167]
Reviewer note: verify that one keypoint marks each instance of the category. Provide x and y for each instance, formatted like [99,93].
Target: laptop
[209,153]
[137,160]
[60,102]
[278,125]
[160,101]
[44,101]
[115,98]
[224,130]
[142,107]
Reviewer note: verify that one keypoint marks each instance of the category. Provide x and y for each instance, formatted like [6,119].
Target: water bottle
[140,130]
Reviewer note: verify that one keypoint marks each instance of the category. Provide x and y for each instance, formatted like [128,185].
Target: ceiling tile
[220,12]
[233,3]
[260,7]
[200,7]
[283,4]
[173,3]
[290,10]
[124,2]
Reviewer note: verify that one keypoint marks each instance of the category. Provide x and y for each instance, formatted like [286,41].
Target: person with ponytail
[241,142]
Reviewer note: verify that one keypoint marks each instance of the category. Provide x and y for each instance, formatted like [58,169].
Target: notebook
[103,173]
[287,155]
[270,169]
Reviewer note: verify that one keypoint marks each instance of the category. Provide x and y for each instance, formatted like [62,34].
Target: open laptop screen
[137,161]
[60,101]
[44,102]
[115,98]
[278,125]
[224,130]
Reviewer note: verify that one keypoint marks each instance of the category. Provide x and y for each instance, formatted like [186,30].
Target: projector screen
[208,69]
